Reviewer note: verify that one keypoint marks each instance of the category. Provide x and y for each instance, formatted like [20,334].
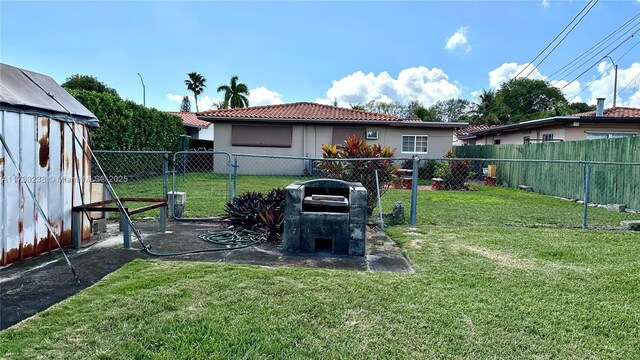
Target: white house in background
[197,129]
[299,129]
[599,124]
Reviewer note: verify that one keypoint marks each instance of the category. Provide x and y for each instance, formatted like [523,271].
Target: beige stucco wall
[308,139]
[569,132]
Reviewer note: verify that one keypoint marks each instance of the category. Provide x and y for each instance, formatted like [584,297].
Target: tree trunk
[195,96]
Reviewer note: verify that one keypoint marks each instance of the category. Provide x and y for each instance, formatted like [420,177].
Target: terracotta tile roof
[618,111]
[471,129]
[302,111]
[190,119]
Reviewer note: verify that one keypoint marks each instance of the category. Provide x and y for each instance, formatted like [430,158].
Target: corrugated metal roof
[27,89]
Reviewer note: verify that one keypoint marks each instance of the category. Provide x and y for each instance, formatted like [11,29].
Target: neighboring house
[39,122]
[607,123]
[200,132]
[299,129]
[460,136]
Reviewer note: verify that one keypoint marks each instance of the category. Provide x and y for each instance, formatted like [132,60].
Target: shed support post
[126,230]
[76,228]
[163,219]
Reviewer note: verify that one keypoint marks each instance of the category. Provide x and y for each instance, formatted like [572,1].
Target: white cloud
[417,83]
[603,87]
[258,96]
[545,4]
[508,71]
[263,96]
[571,90]
[459,40]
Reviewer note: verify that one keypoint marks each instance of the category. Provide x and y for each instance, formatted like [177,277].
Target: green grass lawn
[207,194]
[479,292]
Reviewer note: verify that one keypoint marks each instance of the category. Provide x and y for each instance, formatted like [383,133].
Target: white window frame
[414,144]
[547,135]
[609,133]
[372,135]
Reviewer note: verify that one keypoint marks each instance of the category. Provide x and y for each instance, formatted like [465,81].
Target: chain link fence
[448,192]
[201,184]
[533,193]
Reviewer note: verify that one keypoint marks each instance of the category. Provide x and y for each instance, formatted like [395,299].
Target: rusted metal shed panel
[44,150]
[12,192]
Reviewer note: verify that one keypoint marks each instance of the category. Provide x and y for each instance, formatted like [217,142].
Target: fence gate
[201,184]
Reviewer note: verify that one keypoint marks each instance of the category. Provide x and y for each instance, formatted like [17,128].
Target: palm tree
[235,94]
[195,83]
[486,112]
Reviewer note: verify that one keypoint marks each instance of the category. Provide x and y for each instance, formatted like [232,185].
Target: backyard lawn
[488,289]
[477,293]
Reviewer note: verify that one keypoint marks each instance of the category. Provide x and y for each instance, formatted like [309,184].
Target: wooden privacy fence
[614,176]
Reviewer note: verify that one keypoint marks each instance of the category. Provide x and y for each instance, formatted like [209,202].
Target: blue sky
[316,51]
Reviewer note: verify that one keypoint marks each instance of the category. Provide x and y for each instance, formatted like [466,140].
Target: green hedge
[125,125]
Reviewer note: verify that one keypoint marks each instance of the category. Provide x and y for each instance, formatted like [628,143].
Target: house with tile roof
[300,129]
[201,133]
[600,124]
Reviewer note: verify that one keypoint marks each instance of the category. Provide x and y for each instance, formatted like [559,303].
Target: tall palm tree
[195,83]
[235,94]
[487,111]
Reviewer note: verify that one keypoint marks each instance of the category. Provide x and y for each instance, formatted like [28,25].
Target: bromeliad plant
[256,211]
[375,157]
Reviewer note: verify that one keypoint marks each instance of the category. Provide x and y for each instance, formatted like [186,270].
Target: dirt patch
[501,258]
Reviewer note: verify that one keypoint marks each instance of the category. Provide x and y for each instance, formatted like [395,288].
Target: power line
[555,38]
[596,63]
[634,30]
[601,75]
[561,40]
[595,47]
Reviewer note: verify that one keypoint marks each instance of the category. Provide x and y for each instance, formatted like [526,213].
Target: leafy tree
[125,125]
[235,94]
[186,105]
[579,107]
[389,108]
[527,99]
[452,110]
[487,112]
[362,171]
[416,109]
[89,83]
[195,83]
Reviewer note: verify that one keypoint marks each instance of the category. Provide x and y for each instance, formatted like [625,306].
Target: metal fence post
[587,178]
[235,175]
[165,174]
[414,191]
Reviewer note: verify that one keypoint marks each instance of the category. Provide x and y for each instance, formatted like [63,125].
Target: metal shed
[38,119]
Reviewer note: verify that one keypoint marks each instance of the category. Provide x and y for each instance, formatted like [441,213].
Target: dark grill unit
[327,216]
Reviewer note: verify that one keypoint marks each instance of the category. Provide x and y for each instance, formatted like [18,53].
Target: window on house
[526,140]
[547,137]
[608,135]
[340,134]
[496,142]
[261,136]
[414,143]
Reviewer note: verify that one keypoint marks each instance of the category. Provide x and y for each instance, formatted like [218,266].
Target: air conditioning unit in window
[372,134]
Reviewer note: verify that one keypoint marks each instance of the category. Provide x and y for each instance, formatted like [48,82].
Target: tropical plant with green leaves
[235,94]
[362,171]
[195,83]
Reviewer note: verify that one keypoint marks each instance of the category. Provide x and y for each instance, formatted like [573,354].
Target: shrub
[454,172]
[362,171]
[426,171]
[256,211]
